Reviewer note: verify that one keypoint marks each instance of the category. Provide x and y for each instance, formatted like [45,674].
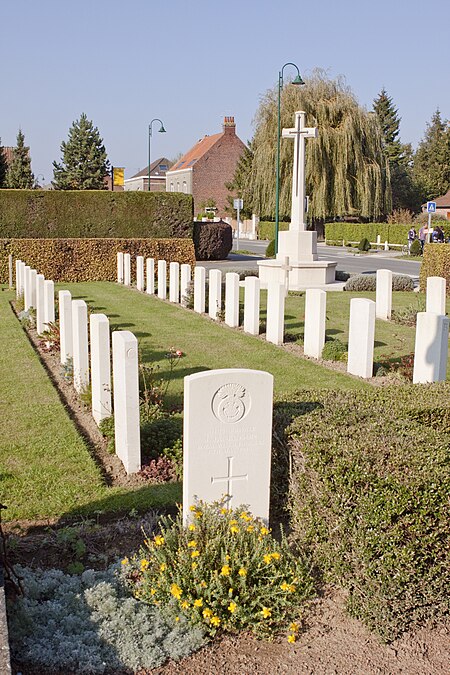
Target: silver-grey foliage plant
[90,624]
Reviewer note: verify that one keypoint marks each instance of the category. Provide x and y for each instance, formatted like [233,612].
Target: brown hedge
[89,259]
[436,263]
[212,240]
[94,213]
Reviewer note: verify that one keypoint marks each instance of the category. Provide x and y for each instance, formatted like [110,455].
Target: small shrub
[160,433]
[270,250]
[368,282]
[364,245]
[416,248]
[334,350]
[401,282]
[408,315]
[401,217]
[223,571]
[160,470]
[106,427]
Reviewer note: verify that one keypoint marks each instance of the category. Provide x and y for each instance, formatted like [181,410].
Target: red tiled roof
[196,152]
[153,166]
[444,200]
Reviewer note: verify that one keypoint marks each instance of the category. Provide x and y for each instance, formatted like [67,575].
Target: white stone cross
[287,268]
[299,132]
[228,479]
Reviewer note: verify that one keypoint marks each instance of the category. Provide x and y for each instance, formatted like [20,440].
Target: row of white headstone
[38,294]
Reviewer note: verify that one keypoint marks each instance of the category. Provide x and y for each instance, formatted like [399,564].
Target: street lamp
[161,131]
[296,80]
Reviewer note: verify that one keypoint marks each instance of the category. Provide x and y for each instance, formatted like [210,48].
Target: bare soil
[330,641]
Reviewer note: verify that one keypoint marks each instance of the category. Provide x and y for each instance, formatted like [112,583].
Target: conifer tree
[3,166]
[347,172]
[432,158]
[239,187]
[84,161]
[405,193]
[19,175]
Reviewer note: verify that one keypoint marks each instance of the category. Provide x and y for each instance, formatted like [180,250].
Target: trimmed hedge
[369,499]
[368,282]
[89,259]
[436,263]
[394,234]
[94,213]
[212,240]
[266,229]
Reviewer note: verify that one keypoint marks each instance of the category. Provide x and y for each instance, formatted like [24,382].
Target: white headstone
[251,305]
[150,265]
[10,270]
[436,290]
[120,267]
[127,269]
[140,284]
[215,293]
[40,325]
[100,367]
[199,289]
[361,336]
[315,319]
[33,275]
[276,294]
[65,325]
[80,345]
[174,282]
[185,283]
[232,299]
[431,348]
[18,263]
[228,453]
[162,279]
[49,303]
[126,400]
[27,288]
[384,294]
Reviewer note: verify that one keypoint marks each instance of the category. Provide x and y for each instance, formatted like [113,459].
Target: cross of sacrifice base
[228,479]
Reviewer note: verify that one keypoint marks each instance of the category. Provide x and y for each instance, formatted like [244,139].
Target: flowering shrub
[223,571]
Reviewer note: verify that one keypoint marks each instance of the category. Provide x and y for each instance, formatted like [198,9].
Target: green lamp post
[297,80]
[161,131]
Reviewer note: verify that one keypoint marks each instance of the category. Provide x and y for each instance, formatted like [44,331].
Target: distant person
[437,236]
[423,232]
[412,234]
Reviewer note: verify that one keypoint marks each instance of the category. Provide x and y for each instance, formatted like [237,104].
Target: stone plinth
[227,455]
[303,275]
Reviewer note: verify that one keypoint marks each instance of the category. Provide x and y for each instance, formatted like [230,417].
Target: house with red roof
[158,170]
[207,167]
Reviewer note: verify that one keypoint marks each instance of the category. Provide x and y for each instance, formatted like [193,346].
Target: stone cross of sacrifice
[299,133]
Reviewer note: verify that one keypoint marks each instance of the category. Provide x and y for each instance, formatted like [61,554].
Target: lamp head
[162,130]
[298,79]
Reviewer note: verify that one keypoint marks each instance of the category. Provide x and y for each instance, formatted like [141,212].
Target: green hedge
[94,213]
[436,263]
[394,234]
[89,259]
[370,499]
[266,229]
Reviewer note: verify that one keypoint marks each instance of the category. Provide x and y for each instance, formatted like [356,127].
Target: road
[346,261]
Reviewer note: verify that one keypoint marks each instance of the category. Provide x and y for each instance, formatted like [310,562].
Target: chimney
[229,127]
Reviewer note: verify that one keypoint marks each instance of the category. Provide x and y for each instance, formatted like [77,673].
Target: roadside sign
[238,203]
[431,207]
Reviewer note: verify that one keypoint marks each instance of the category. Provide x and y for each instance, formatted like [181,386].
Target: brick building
[158,170]
[204,170]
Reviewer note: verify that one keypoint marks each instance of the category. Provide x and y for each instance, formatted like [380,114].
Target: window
[184,187]
[163,167]
[171,187]
[178,187]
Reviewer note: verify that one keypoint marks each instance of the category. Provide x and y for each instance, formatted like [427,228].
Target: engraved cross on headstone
[299,132]
[228,479]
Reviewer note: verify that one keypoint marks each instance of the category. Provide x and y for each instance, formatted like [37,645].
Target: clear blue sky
[191,62]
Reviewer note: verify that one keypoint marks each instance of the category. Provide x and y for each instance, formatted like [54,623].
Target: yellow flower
[193,508]
[203,584]
[294,627]
[176,591]
[177,618]
[223,510]
[276,555]
[285,586]
[242,572]
[198,602]
[192,528]
[267,558]
[163,567]
[292,588]
[250,528]
[234,529]
[215,620]
[264,531]
[232,607]
[125,561]
[233,522]
[152,591]
[198,514]
[159,540]
[230,591]
[194,565]
[266,612]
[207,613]
[245,516]
[292,638]
[185,604]
[195,554]
[192,543]
[144,565]
[225,572]
[227,557]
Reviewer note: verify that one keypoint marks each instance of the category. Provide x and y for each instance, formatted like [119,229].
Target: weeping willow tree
[347,172]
